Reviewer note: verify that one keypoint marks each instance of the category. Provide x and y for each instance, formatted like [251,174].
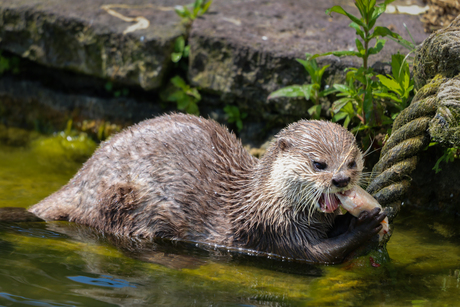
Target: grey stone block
[84,37]
[244,50]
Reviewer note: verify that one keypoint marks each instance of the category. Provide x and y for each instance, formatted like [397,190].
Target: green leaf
[340,10]
[388,2]
[177,96]
[293,91]
[407,91]
[321,72]
[342,88]
[361,5]
[396,62]
[379,44]
[360,128]
[232,111]
[179,82]
[346,122]
[357,28]
[186,12]
[389,83]
[183,12]
[186,52]
[183,103]
[315,111]
[176,56]
[239,124]
[4,64]
[379,10]
[108,86]
[194,93]
[348,108]
[328,92]
[310,66]
[404,43]
[179,44]
[180,10]
[368,104]
[360,46]
[339,104]
[197,3]
[195,12]
[339,116]
[389,96]
[372,3]
[206,7]
[382,32]
[339,53]
[197,8]
[192,108]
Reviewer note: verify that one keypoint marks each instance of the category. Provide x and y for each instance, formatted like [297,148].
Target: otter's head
[312,161]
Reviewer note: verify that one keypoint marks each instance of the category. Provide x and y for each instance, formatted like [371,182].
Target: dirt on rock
[440,14]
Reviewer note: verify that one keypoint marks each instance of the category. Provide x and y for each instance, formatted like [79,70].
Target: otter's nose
[340,181]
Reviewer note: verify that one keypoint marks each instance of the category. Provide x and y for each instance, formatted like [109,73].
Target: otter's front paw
[368,224]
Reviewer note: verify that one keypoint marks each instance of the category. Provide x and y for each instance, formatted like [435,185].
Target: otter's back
[160,178]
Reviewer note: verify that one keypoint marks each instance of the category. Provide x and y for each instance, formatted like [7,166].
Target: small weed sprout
[185,96]
[235,116]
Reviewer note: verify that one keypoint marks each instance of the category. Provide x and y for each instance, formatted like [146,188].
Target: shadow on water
[64,264]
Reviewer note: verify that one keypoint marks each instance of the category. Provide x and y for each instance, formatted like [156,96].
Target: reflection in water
[104,281]
[27,301]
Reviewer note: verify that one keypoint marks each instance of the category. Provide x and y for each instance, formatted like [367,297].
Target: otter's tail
[17,214]
[56,207]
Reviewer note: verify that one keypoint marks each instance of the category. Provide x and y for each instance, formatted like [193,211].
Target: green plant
[190,12]
[185,96]
[362,95]
[308,91]
[9,64]
[180,50]
[449,155]
[109,87]
[235,116]
[399,85]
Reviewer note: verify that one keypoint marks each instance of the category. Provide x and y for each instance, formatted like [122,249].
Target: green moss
[38,165]
[16,136]
[64,147]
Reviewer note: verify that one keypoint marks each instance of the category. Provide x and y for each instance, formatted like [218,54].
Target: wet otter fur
[183,177]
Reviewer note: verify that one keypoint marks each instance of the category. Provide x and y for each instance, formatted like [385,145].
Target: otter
[183,177]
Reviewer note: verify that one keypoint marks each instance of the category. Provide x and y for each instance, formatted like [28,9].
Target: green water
[62,264]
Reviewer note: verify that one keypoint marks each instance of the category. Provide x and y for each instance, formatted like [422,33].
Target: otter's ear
[283,144]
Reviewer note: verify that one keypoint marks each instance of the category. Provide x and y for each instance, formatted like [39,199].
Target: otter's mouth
[328,202]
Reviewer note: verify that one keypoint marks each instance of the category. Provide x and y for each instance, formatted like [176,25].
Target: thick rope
[433,114]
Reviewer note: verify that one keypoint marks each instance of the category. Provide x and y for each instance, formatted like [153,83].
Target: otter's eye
[319,165]
[352,164]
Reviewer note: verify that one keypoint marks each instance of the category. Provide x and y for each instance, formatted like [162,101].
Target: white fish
[357,200]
